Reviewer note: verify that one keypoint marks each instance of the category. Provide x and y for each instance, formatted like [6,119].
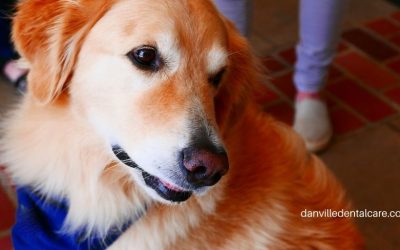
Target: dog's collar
[39,225]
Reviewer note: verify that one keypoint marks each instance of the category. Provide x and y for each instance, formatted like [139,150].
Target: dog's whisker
[234,53]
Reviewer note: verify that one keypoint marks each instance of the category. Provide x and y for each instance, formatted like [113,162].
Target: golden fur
[83,93]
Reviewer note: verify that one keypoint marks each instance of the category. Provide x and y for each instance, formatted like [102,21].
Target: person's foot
[312,121]
[15,74]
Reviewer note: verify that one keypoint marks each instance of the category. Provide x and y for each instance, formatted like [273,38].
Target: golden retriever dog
[139,131]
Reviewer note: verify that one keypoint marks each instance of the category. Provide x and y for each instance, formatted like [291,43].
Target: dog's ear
[49,34]
[237,89]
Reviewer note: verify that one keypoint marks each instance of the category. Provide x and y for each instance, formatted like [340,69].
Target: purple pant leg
[320,22]
[238,11]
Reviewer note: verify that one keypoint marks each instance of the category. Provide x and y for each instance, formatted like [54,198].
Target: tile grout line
[374,92]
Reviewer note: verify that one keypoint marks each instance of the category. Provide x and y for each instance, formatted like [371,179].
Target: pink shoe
[16,75]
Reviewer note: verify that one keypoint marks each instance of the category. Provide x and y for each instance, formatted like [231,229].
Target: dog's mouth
[164,189]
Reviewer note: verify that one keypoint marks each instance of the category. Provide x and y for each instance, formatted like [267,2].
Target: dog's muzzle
[199,167]
[164,189]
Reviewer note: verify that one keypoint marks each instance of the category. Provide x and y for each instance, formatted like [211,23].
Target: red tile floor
[366,71]
[363,88]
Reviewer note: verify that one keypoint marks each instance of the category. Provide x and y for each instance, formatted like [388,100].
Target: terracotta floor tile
[370,45]
[7,211]
[281,111]
[396,16]
[383,26]
[342,47]
[395,39]
[334,73]
[343,121]
[395,66]
[285,84]
[366,70]
[272,65]
[264,95]
[394,94]
[330,102]
[360,100]
[6,243]
[396,123]
[289,55]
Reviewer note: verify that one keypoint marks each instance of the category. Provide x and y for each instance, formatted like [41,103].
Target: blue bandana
[39,223]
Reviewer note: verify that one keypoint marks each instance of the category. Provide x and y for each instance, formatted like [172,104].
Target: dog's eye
[145,58]
[215,80]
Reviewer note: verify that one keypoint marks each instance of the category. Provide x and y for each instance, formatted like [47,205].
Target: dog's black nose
[203,167]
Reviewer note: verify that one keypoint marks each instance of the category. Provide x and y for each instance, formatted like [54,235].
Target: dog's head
[157,80]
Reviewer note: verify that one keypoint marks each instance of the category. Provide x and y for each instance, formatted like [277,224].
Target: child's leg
[320,22]
[238,11]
